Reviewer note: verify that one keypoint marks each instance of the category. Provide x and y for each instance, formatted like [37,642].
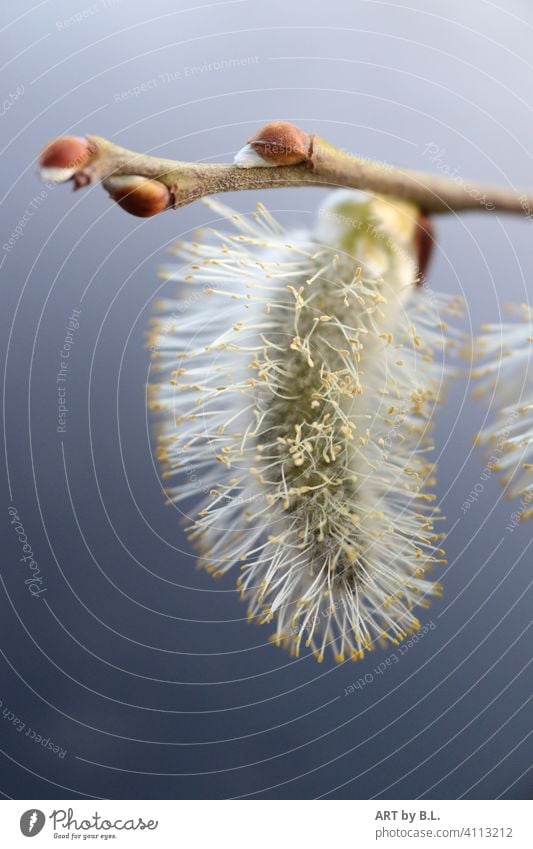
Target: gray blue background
[137,664]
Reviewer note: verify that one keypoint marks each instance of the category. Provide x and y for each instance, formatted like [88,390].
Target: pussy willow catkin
[506,378]
[296,377]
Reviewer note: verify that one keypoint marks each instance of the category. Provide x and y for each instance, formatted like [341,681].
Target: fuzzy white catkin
[506,380]
[295,378]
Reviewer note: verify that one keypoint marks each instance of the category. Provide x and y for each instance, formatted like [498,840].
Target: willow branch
[279,155]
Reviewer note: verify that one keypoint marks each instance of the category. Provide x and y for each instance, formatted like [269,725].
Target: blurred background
[128,673]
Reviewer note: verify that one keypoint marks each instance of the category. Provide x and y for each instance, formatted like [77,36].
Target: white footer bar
[267,824]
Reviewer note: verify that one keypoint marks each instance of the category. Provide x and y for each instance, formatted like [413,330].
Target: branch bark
[279,155]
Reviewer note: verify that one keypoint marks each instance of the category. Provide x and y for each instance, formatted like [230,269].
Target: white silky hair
[506,380]
[295,380]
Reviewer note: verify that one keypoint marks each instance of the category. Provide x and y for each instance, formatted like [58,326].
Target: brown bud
[138,195]
[62,157]
[424,242]
[281,143]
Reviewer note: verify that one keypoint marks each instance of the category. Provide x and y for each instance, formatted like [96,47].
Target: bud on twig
[63,157]
[138,195]
[277,143]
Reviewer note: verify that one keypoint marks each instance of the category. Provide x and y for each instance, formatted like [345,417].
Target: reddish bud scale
[139,196]
[66,152]
[281,143]
[424,242]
